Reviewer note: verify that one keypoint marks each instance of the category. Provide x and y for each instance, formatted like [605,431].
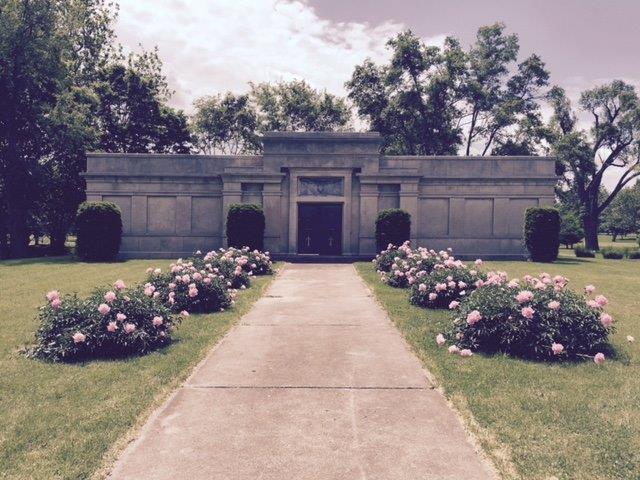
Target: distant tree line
[67,88]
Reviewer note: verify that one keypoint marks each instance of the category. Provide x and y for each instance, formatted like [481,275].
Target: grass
[536,420]
[59,421]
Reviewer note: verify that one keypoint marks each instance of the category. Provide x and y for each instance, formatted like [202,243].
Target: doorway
[320,228]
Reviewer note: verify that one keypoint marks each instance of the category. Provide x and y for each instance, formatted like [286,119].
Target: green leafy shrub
[109,323]
[245,226]
[571,231]
[393,226]
[537,318]
[188,287]
[98,231]
[612,253]
[541,233]
[583,252]
[444,285]
[634,254]
[386,258]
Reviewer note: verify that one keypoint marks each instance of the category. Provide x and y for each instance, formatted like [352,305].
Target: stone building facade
[321,193]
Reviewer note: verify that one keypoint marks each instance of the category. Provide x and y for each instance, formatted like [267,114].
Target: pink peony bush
[109,323]
[445,285]
[407,266]
[535,318]
[190,286]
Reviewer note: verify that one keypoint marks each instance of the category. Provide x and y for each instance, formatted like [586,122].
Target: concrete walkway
[315,383]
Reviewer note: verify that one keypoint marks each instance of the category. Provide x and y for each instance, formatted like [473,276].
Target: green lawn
[60,421]
[535,420]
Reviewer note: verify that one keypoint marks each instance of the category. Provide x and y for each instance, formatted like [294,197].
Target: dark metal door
[320,228]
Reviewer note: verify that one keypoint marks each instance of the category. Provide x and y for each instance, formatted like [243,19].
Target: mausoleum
[321,193]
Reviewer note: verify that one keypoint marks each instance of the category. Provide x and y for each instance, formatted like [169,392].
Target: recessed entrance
[320,228]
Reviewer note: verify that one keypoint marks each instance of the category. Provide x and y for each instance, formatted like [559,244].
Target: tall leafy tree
[296,106]
[132,114]
[430,100]
[412,100]
[612,142]
[225,124]
[496,93]
[32,71]
[622,216]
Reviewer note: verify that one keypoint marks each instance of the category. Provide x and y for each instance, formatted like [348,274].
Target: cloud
[211,47]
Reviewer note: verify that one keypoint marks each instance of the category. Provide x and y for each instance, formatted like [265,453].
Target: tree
[225,124]
[133,116]
[493,101]
[31,74]
[432,101]
[585,156]
[570,230]
[296,106]
[411,101]
[622,216]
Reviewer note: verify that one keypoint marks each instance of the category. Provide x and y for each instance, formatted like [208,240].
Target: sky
[214,46]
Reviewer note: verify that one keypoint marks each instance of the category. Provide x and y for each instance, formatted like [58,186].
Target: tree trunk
[58,237]
[590,224]
[613,237]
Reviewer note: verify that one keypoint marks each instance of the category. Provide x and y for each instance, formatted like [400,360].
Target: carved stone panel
[320,186]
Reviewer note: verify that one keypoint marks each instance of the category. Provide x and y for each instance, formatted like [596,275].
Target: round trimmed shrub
[98,231]
[542,233]
[612,253]
[110,323]
[537,318]
[583,252]
[245,226]
[393,226]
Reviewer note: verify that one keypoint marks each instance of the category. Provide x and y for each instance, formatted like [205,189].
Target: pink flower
[524,296]
[554,305]
[527,312]
[186,278]
[119,285]
[193,292]
[593,304]
[103,308]
[197,276]
[148,291]
[466,352]
[599,358]
[453,305]
[557,348]
[440,340]
[150,269]
[602,300]
[606,320]
[478,262]
[630,339]
[121,317]
[172,286]
[157,321]
[52,295]
[112,327]
[109,297]
[157,271]
[184,313]
[474,317]
[55,303]
[433,296]
[453,349]
[589,289]
[440,287]
[78,337]
[129,328]
[422,287]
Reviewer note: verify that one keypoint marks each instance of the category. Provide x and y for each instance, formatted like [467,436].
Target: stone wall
[175,204]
